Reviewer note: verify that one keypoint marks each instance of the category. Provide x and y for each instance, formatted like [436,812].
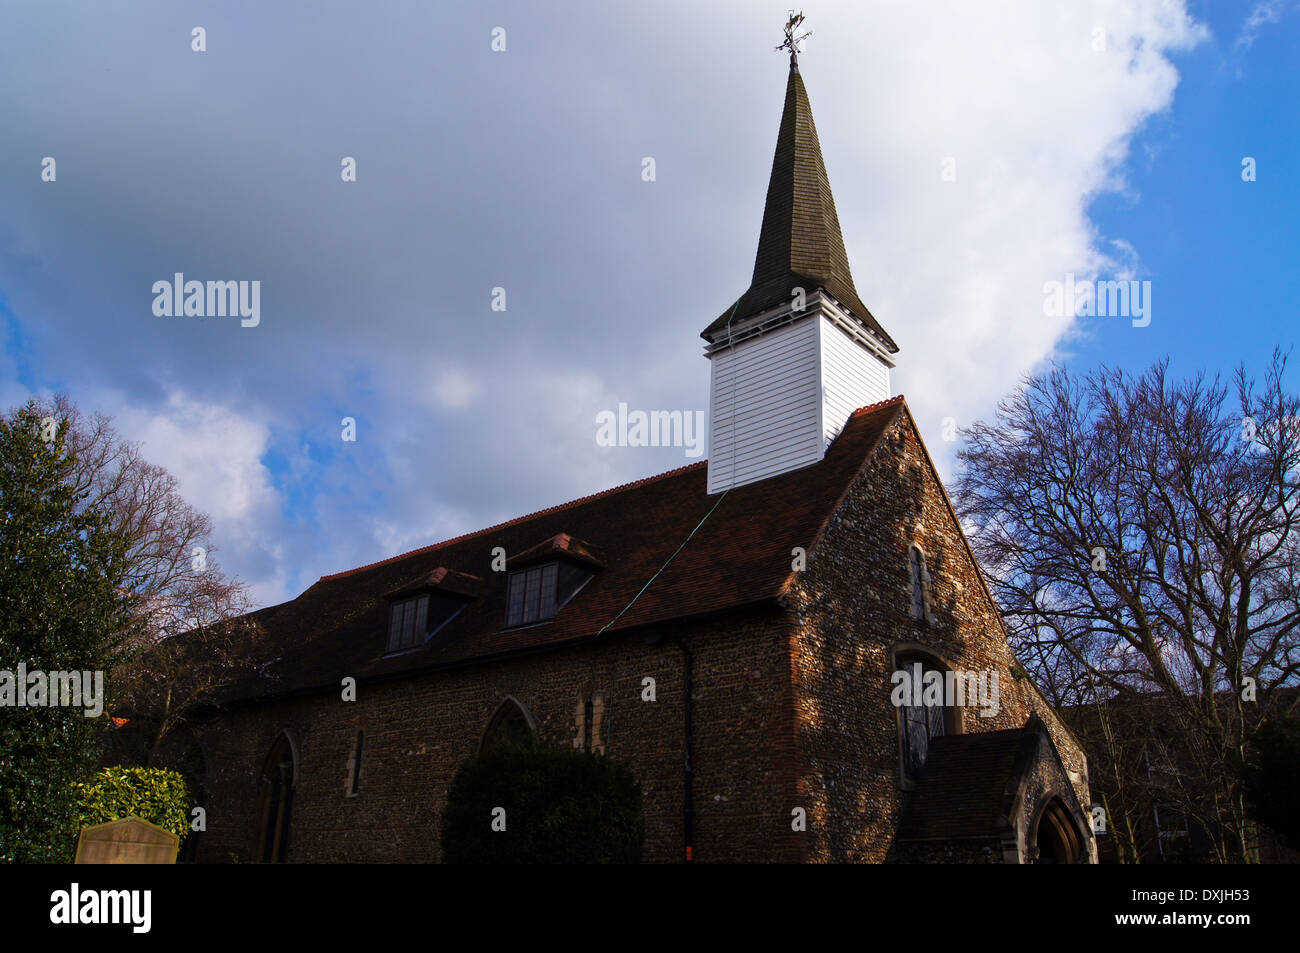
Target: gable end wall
[852,607]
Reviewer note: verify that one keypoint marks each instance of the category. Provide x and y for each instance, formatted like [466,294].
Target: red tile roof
[970,783]
[740,555]
[962,792]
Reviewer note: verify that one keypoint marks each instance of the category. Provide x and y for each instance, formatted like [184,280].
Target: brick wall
[419,729]
[853,608]
[792,708]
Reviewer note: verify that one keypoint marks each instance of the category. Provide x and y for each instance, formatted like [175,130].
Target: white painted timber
[851,377]
[770,384]
[779,399]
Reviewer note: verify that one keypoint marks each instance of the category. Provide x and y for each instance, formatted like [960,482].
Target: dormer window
[545,577]
[414,620]
[408,624]
[422,607]
[531,596]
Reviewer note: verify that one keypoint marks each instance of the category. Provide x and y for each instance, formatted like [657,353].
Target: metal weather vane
[793,38]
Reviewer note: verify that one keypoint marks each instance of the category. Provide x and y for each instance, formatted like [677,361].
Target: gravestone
[128,841]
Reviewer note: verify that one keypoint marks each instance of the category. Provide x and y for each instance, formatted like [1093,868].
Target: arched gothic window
[919,695]
[920,575]
[277,799]
[354,765]
[509,726]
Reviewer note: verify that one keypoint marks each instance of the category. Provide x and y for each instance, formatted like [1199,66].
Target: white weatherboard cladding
[851,377]
[777,403]
[796,388]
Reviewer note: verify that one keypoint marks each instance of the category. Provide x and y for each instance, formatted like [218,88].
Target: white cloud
[215,455]
[1039,123]
[455,389]
[1267,11]
[213,452]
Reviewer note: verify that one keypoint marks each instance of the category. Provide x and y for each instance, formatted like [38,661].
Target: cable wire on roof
[659,571]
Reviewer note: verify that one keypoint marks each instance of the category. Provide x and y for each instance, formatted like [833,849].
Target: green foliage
[42,751]
[157,795]
[562,806]
[1272,778]
[64,606]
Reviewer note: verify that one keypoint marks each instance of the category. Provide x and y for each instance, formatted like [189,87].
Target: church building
[789,644]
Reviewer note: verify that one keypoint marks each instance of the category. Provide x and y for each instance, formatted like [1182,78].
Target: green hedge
[157,795]
[561,806]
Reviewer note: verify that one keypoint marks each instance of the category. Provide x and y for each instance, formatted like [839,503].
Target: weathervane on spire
[792,40]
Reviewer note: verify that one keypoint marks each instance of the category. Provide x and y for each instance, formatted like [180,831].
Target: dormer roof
[560,545]
[444,580]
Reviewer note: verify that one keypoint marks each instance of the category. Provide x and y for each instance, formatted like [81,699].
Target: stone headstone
[128,841]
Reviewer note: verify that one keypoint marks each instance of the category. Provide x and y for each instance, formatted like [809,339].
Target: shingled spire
[787,369]
[800,244]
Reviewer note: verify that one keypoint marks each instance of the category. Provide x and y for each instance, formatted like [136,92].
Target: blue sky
[522,168]
[1221,253]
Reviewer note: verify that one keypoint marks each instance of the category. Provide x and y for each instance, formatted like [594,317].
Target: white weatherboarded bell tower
[799,351]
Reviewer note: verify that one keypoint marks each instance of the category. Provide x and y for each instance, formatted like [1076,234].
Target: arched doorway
[1057,837]
[277,781]
[510,725]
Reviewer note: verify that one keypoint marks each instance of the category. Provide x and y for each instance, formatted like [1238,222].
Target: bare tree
[1141,536]
[192,635]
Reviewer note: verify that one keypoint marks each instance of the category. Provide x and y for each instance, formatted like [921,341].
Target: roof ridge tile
[514,522]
